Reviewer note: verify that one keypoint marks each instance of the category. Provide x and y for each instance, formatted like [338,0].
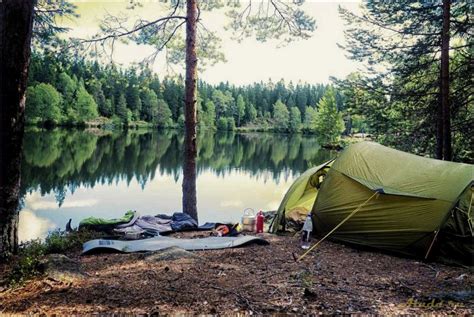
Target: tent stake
[336,227]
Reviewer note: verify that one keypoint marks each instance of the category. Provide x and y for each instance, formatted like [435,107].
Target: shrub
[222,124]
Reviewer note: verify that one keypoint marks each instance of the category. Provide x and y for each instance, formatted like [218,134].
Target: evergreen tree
[163,114]
[240,109]
[132,95]
[209,115]
[67,87]
[222,124]
[295,119]
[121,109]
[251,112]
[310,116]
[412,41]
[107,84]
[230,124]
[149,105]
[95,89]
[223,102]
[281,116]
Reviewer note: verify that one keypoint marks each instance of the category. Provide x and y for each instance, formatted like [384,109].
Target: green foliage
[283,21]
[84,104]
[295,120]
[230,124]
[281,116]
[43,104]
[329,124]
[28,263]
[359,124]
[47,28]
[181,121]
[127,96]
[208,116]
[132,94]
[58,161]
[67,87]
[104,107]
[223,102]
[251,112]
[150,105]
[310,119]
[222,124]
[398,93]
[121,109]
[286,21]
[163,115]
[240,109]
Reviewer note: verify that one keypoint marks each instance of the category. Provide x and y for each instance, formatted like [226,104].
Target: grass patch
[26,265]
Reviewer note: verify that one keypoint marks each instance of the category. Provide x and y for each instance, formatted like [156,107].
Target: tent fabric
[417,197]
[422,202]
[402,173]
[387,222]
[299,198]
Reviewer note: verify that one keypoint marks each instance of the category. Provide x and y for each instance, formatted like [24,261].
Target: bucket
[248,220]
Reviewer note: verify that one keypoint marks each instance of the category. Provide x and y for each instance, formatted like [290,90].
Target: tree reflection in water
[58,162]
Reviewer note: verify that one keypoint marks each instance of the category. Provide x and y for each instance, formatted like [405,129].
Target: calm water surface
[76,174]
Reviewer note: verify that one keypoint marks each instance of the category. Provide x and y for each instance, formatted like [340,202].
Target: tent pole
[336,227]
[431,245]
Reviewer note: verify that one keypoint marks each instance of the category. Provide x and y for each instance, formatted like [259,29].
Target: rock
[170,254]
[61,268]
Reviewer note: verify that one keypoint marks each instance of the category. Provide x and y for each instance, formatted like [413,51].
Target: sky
[314,60]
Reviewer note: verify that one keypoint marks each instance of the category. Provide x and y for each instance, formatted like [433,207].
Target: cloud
[36,202]
[31,226]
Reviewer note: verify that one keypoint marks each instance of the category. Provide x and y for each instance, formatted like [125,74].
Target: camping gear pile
[134,226]
[378,197]
[147,233]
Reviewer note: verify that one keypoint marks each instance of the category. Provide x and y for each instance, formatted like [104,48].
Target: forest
[76,92]
[73,92]
[397,96]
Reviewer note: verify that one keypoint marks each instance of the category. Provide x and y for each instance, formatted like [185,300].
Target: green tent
[409,204]
[300,197]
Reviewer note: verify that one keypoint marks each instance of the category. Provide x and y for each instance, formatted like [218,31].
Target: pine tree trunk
[16,20]
[190,142]
[439,128]
[447,151]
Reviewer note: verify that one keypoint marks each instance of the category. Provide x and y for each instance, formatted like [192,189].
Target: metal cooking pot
[248,220]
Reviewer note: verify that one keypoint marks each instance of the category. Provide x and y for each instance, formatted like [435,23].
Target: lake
[72,174]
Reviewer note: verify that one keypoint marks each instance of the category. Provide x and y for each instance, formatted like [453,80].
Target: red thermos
[260,220]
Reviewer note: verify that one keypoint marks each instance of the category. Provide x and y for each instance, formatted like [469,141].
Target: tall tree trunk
[190,142]
[447,151]
[16,20]
[439,128]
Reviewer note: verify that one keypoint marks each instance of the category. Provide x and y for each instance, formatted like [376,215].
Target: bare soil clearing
[253,279]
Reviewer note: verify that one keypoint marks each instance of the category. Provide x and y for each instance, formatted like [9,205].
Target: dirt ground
[255,279]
